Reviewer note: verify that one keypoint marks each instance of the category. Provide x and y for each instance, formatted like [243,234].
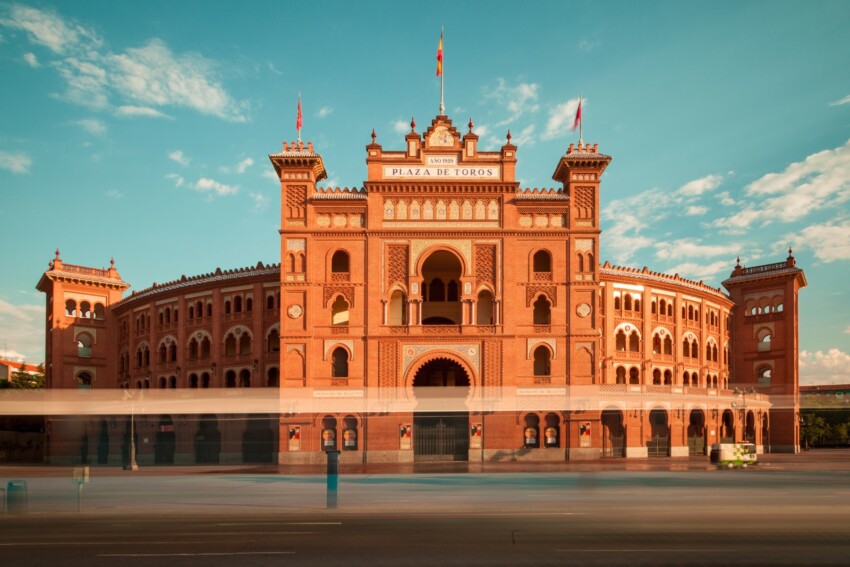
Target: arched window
[99,311]
[84,344]
[617,303]
[452,291]
[764,337]
[227,307]
[484,308]
[244,378]
[764,374]
[670,309]
[580,262]
[273,342]
[199,309]
[340,262]
[163,353]
[163,383]
[634,376]
[249,304]
[542,261]
[686,379]
[339,363]
[542,312]
[71,308]
[273,378]
[230,345]
[245,344]
[662,307]
[637,304]
[690,312]
[627,302]
[668,345]
[621,375]
[172,352]
[686,348]
[656,344]
[397,314]
[270,303]
[205,380]
[193,349]
[339,311]
[191,312]
[620,340]
[168,315]
[634,342]
[694,349]
[84,380]
[205,347]
[541,361]
[668,378]
[209,309]
[193,380]
[85,310]
[237,304]
[656,377]
[230,379]
[654,308]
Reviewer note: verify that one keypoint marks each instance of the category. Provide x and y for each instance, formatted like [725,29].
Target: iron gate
[614,446]
[658,446]
[441,440]
[696,446]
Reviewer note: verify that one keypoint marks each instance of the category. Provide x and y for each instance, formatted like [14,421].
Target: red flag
[440,57]
[299,118]
[577,120]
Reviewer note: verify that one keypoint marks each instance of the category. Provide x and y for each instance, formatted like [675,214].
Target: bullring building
[440,275]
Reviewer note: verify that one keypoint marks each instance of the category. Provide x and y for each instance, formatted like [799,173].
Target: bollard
[332,477]
[16,496]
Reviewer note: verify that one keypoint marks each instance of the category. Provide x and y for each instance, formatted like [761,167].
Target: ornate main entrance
[440,433]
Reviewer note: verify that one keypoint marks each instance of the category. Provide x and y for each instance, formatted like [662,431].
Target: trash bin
[16,496]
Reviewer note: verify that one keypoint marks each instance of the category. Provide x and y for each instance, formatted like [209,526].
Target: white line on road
[246,533]
[195,554]
[648,550]
[313,523]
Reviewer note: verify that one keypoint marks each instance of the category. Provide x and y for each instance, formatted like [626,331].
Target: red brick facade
[441,275]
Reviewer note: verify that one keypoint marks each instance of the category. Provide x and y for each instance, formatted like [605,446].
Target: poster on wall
[475,434]
[584,434]
[295,438]
[406,432]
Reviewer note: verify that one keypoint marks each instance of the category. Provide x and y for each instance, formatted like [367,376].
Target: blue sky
[140,131]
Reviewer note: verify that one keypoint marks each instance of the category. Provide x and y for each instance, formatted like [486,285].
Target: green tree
[22,379]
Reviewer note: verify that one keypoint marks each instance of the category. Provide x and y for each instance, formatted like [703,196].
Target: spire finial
[738,264]
[509,136]
[790,252]
[374,136]
[412,125]
[57,254]
[112,262]
[470,125]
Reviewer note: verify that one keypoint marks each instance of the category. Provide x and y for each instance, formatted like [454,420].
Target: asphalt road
[768,515]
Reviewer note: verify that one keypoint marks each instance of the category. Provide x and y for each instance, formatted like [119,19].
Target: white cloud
[830,367]
[153,75]
[694,210]
[47,28]
[624,236]
[141,77]
[239,167]
[725,199]
[561,119]
[587,45]
[516,100]
[400,126]
[820,181]
[273,69]
[91,125]
[699,186]
[847,330]
[261,202]
[16,162]
[481,130]
[177,179]
[702,272]
[324,112]
[331,182]
[207,185]
[24,330]
[177,156]
[829,242]
[690,248]
[133,111]
[271,174]
[845,100]
[31,60]
[114,194]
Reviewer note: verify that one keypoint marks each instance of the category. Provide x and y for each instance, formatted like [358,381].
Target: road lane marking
[207,554]
[313,523]
[653,550]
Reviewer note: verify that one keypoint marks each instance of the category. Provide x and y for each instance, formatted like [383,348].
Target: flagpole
[299,117]
[580,122]
[442,76]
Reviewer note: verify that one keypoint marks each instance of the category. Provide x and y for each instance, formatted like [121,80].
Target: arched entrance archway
[166,442]
[750,429]
[207,440]
[440,426]
[696,433]
[613,434]
[441,272]
[659,441]
[727,427]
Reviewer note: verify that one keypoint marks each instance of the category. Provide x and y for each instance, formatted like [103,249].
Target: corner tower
[765,335]
[77,348]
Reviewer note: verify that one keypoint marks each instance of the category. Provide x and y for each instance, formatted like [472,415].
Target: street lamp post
[743,408]
[131,464]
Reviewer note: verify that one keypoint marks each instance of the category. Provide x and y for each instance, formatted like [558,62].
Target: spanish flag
[440,57]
